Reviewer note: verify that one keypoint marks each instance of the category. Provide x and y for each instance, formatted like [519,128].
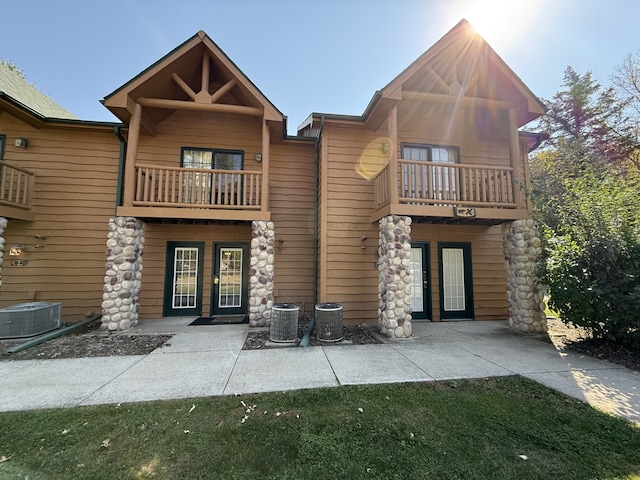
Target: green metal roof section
[22,92]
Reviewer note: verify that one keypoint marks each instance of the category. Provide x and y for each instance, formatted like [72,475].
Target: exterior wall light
[21,142]
[258,157]
[16,251]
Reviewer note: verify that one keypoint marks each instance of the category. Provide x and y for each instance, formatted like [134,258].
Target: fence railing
[16,186]
[197,188]
[443,184]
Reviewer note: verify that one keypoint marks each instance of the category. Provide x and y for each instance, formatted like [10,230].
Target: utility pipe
[48,336]
[307,334]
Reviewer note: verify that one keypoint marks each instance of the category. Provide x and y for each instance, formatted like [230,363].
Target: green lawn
[498,428]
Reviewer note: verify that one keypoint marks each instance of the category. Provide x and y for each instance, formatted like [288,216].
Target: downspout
[316,226]
[123,149]
[316,214]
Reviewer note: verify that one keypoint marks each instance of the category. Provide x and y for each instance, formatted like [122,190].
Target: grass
[507,427]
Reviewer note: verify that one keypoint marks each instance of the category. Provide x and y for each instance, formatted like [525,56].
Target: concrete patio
[208,360]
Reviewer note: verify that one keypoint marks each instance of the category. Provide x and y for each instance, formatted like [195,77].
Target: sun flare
[502,23]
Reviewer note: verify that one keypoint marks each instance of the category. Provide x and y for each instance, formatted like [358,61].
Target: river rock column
[522,249]
[394,276]
[123,276]
[3,226]
[263,239]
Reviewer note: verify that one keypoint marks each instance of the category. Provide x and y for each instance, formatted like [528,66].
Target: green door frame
[426,313]
[169,309]
[466,313]
[216,308]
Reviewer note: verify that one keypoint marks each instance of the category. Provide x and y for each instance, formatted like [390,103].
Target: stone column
[263,250]
[522,249]
[3,226]
[123,276]
[394,277]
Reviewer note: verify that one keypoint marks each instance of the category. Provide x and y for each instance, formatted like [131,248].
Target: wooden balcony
[16,192]
[195,193]
[446,191]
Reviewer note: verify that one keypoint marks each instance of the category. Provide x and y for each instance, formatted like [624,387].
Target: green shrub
[593,260]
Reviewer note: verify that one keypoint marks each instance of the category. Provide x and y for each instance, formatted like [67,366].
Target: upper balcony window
[213,177]
[212,158]
[419,179]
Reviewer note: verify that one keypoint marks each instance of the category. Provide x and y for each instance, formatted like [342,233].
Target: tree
[593,117]
[586,199]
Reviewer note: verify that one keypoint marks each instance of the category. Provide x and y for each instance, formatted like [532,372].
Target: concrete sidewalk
[209,360]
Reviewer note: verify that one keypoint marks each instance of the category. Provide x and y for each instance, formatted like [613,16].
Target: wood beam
[193,213]
[132,154]
[183,85]
[457,100]
[438,79]
[392,132]
[222,90]
[514,155]
[266,142]
[205,73]
[216,107]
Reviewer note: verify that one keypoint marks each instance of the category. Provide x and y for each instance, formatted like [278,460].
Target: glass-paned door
[204,187]
[230,279]
[456,281]
[433,182]
[183,279]
[420,281]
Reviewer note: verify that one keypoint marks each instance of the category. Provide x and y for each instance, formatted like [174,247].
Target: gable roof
[186,62]
[460,65]
[17,90]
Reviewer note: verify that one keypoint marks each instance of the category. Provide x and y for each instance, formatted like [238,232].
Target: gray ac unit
[29,319]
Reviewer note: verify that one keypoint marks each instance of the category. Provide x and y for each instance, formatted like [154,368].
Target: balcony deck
[195,193]
[449,192]
[16,192]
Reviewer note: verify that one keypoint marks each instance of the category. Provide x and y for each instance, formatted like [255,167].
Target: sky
[308,56]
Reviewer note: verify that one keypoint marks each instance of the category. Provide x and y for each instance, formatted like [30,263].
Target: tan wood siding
[75,188]
[351,278]
[292,204]
[438,126]
[203,130]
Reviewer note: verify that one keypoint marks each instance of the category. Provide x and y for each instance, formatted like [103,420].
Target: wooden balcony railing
[197,188]
[16,186]
[447,184]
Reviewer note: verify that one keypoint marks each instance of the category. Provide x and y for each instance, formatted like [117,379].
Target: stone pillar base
[123,276]
[522,249]
[394,278]
[263,240]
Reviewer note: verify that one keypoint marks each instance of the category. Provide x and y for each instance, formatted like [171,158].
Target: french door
[420,281]
[230,279]
[456,281]
[183,279]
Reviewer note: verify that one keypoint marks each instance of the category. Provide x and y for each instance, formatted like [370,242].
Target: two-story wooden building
[416,210]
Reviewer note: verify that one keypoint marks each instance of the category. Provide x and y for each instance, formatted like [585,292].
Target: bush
[593,260]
